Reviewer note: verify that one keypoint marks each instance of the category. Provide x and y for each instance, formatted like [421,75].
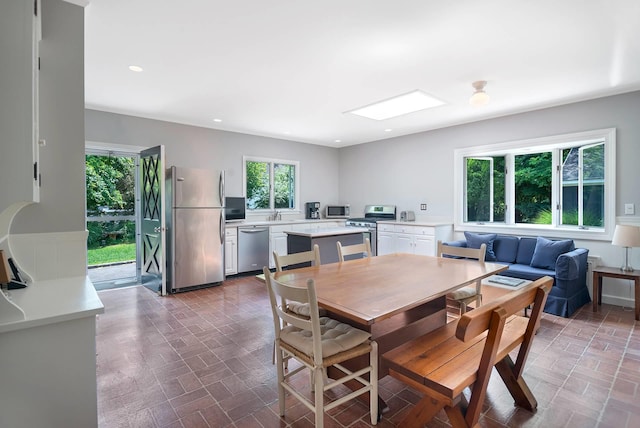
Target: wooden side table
[600,272]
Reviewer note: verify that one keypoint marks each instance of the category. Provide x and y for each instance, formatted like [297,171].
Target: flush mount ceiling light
[397,106]
[479,97]
[135,68]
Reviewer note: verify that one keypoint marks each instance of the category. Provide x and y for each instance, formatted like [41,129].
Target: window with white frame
[559,186]
[271,184]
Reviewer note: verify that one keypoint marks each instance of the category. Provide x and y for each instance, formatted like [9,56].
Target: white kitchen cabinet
[231,251]
[20,24]
[277,242]
[414,238]
[386,239]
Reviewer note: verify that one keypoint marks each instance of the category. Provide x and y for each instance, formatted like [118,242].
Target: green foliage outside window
[260,190]
[533,186]
[257,185]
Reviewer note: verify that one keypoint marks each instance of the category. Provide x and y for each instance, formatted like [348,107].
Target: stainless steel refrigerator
[195,224]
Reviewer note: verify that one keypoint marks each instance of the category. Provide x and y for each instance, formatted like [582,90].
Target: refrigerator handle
[221,185]
[222,229]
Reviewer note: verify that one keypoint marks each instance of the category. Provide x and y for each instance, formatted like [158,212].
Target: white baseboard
[43,256]
[619,301]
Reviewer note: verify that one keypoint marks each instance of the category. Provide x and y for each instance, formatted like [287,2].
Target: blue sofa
[532,258]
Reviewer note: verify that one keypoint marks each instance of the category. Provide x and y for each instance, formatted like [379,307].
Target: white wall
[414,169]
[196,147]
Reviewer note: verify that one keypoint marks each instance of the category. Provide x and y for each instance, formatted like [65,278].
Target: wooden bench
[442,363]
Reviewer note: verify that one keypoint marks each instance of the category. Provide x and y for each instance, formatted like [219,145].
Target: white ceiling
[290,69]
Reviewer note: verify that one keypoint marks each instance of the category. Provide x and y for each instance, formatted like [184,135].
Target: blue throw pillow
[475,240]
[547,252]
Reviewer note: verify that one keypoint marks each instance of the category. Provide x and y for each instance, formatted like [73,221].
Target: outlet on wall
[423,207]
[629,209]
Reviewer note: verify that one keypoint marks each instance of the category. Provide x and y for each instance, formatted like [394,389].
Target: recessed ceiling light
[397,106]
[338,141]
[388,130]
[217,120]
[287,132]
[136,68]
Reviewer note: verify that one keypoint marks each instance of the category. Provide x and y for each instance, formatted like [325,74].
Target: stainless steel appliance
[234,208]
[253,248]
[372,214]
[312,210]
[407,216]
[195,223]
[337,211]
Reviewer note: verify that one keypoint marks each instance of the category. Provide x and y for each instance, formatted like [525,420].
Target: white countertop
[278,222]
[330,231]
[53,301]
[416,223]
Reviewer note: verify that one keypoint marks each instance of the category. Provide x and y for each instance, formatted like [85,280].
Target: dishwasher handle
[253,230]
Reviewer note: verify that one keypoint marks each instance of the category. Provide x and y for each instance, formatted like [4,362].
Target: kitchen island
[304,240]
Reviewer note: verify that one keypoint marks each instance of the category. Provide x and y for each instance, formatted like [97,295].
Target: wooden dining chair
[291,260]
[317,343]
[465,295]
[285,261]
[348,250]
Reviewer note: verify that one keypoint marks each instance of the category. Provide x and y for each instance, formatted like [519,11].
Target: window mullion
[272,187]
[491,185]
[581,186]
[510,192]
[556,203]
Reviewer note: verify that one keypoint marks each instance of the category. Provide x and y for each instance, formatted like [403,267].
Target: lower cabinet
[412,239]
[277,243]
[231,251]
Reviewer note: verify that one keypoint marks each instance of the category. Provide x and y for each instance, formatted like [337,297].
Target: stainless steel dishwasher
[253,248]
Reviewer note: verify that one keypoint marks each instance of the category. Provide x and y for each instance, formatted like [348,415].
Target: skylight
[397,106]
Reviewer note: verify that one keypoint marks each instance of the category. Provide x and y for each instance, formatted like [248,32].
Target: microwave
[337,211]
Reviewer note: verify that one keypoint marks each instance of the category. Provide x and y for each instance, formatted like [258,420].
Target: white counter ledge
[331,231]
[416,223]
[54,301]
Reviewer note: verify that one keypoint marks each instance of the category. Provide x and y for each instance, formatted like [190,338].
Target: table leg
[597,286]
[636,297]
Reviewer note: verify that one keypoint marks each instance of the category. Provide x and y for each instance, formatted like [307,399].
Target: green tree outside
[110,190]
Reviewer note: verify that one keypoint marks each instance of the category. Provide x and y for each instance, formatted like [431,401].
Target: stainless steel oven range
[373,214]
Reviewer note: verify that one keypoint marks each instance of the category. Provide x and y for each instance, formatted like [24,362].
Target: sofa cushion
[475,240]
[526,248]
[546,252]
[506,247]
[527,272]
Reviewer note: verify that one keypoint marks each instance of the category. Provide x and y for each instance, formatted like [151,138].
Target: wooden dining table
[396,297]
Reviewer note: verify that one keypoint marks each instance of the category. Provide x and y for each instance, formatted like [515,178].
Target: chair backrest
[492,317]
[348,250]
[462,252]
[280,294]
[283,261]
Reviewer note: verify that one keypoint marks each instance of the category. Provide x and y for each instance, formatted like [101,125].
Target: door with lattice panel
[152,219]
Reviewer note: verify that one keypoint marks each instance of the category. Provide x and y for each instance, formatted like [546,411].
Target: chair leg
[325,379]
[463,307]
[281,395]
[319,396]
[373,379]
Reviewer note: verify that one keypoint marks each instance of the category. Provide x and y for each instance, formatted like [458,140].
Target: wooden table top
[372,289]
[616,272]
